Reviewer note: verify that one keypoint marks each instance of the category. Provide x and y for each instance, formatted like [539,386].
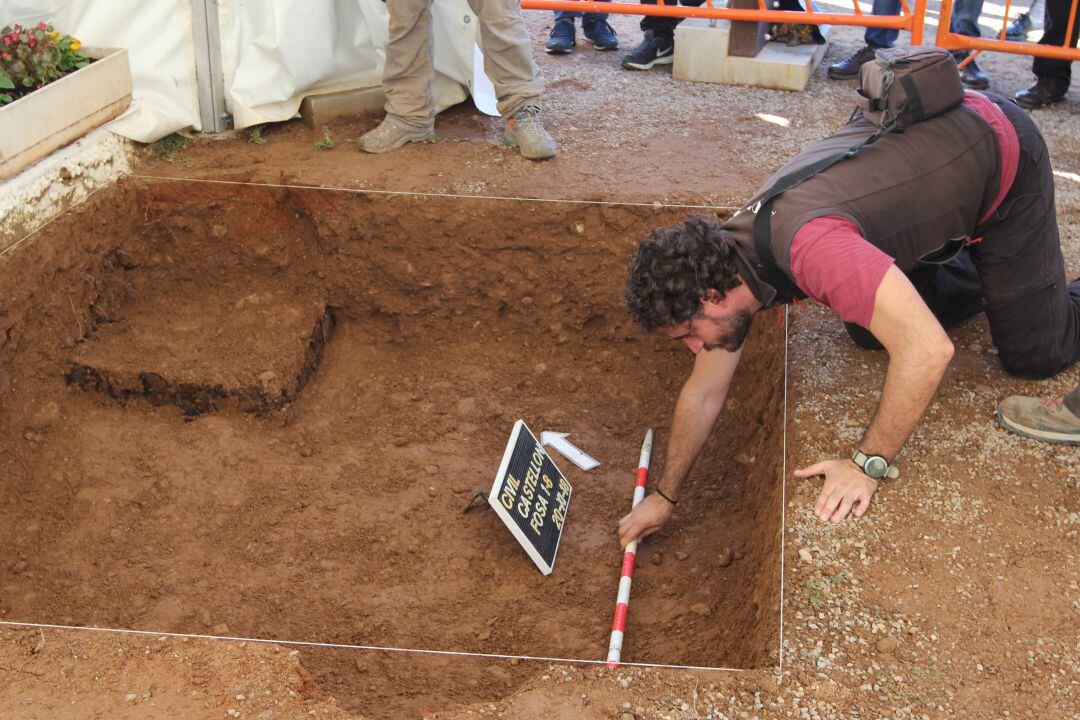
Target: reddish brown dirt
[341,520]
[953,597]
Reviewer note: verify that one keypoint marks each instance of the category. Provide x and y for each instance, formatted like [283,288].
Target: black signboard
[531,496]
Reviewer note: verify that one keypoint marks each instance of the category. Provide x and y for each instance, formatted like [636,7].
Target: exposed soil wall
[338,518]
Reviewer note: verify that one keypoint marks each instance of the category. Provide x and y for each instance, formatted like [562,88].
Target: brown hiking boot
[1047,419]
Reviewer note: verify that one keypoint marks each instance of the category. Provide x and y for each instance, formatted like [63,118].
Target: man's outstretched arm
[919,351]
[699,404]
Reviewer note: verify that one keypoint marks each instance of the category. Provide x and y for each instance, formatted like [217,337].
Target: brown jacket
[917,195]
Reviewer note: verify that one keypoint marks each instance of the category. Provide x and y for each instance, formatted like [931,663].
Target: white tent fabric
[273,53]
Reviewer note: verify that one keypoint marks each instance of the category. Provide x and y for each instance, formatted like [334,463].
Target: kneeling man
[918,230]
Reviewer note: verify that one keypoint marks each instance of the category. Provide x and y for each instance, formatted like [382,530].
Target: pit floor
[338,518]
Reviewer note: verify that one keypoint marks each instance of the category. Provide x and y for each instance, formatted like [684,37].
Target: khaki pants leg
[507,54]
[409,64]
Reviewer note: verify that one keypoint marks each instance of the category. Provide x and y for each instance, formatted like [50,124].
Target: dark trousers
[1055,23]
[1017,270]
[663,28]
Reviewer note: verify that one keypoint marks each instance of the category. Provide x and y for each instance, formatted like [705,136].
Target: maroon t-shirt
[835,265]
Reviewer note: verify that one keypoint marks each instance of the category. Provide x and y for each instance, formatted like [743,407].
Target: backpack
[904,86]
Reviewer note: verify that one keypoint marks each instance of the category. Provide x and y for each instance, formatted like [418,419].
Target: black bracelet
[661,494]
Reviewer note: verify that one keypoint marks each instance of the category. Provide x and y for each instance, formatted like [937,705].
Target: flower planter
[65,110]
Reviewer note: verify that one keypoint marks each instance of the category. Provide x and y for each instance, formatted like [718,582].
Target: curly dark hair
[672,268]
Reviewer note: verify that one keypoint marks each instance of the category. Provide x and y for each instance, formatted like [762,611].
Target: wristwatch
[874,466]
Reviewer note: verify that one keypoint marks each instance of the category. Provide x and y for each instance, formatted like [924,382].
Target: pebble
[267,377]
[233,712]
[626,716]
[432,491]
[266,715]
[886,645]
[657,558]
[307,451]
[432,469]
[975,347]
[701,609]
[805,555]
[460,489]
[46,416]
[725,557]
[130,697]
[681,555]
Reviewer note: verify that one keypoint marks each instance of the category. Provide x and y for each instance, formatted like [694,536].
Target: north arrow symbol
[566,448]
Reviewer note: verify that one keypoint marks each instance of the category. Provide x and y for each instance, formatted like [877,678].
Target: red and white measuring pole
[622,602]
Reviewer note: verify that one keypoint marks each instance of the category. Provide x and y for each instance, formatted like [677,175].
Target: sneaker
[1018,28]
[1042,419]
[972,75]
[1046,90]
[525,132]
[651,52]
[391,134]
[561,41]
[848,68]
[600,34]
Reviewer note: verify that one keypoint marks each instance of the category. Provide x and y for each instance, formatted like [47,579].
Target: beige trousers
[410,49]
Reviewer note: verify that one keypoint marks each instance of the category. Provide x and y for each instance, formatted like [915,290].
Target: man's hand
[650,515]
[845,485]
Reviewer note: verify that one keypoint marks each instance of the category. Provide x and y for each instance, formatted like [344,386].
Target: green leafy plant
[32,57]
[254,135]
[326,143]
[169,146]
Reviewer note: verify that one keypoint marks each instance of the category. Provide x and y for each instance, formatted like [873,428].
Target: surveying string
[622,602]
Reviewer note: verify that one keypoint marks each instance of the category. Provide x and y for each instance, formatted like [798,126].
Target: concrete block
[316,110]
[701,55]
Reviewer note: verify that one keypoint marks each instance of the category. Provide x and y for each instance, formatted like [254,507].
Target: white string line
[783,480]
[410,193]
[48,222]
[344,646]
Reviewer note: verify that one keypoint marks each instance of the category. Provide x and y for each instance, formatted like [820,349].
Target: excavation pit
[340,520]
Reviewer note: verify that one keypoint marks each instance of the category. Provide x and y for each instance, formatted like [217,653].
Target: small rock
[241,697]
[267,377]
[233,712]
[460,489]
[725,557]
[432,469]
[266,715]
[886,645]
[975,347]
[681,555]
[701,609]
[130,697]
[656,558]
[744,459]
[307,451]
[805,555]
[432,491]
[626,716]
[579,228]
[45,417]
[219,231]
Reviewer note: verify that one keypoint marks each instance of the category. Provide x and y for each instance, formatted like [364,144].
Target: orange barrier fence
[907,20]
[953,41]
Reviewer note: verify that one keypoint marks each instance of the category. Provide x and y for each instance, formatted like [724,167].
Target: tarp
[273,53]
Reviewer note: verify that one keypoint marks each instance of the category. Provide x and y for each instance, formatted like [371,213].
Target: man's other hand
[650,515]
[845,486]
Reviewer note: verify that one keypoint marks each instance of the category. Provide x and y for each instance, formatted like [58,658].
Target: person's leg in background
[965,21]
[1025,22]
[518,84]
[658,45]
[875,38]
[1052,77]
[562,38]
[594,26]
[410,108]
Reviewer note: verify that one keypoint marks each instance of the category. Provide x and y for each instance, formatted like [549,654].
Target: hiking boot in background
[848,68]
[971,74]
[1046,419]
[561,41]
[600,34]
[1046,90]
[525,132]
[1019,28]
[392,134]
[650,53]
